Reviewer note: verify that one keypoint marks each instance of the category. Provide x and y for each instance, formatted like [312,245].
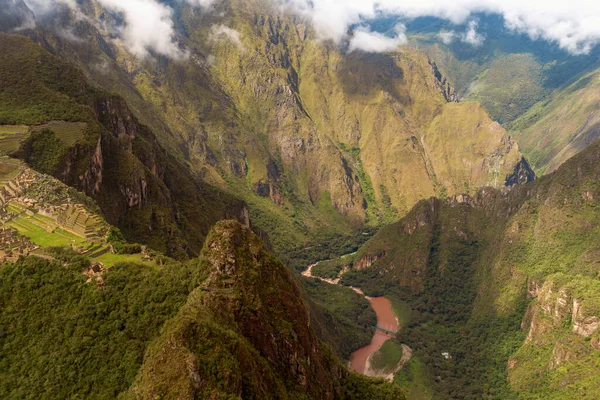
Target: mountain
[297,128]
[506,282]
[564,124]
[243,360]
[507,72]
[207,328]
[140,187]
[16,16]
[146,193]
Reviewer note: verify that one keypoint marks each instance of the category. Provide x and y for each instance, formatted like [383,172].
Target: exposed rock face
[445,87]
[559,305]
[583,325]
[15,16]
[262,342]
[522,174]
[92,178]
[367,261]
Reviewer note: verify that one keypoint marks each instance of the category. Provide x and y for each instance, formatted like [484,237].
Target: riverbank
[387,327]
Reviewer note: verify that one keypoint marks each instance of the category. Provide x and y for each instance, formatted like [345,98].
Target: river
[387,320]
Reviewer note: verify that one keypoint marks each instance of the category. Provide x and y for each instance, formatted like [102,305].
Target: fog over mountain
[574,26]
[299,199]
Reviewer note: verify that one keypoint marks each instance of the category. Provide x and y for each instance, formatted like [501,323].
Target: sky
[573,25]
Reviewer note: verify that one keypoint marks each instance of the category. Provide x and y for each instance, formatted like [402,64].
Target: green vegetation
[68,132]
[509,86]
[508,73]
[99,341]
[10,138]
[348,315]
[482,276]
[387,357]
[331,268]
[43,151]
[330,248]
[358,387]
[51,321]
[566,123]
[413,379]
[141,184]
[43,99]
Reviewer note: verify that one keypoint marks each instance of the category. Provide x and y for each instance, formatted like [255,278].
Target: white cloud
[574,25]
[201,3]
[148,26]
[471,36]
[220,32]
[447,37]
[374,42]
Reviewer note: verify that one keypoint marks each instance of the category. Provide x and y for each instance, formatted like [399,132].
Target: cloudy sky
[574,25]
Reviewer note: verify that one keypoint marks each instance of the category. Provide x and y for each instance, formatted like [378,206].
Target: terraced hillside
[91,141]
[316,141]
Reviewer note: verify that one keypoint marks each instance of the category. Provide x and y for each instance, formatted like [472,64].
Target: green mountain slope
[505,282]
[206,328]
[566,123]
[507,72]
[298,129]
[139,186]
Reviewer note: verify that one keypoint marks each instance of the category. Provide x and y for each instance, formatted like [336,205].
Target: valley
[263,199]
[386,328]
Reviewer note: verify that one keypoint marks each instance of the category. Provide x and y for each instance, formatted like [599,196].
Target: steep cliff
[505,281]
[299,128]
[238,337]
[140,186]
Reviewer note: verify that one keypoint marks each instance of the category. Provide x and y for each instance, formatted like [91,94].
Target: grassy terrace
[68,132]
[11,136]
[42,231]
[45,232]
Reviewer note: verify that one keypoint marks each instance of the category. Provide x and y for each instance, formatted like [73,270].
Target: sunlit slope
[562,126]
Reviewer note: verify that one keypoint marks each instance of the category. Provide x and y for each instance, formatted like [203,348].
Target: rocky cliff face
[522,174]
[238,337]
[285,117]
[15,16]
[526,254]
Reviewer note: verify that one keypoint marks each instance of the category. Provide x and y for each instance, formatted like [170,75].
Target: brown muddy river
[386,320]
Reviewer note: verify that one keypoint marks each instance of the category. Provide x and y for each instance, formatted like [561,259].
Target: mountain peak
[15,16]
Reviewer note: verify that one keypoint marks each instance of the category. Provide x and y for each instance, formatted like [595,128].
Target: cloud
[447,37]
[220,32]
[201,3]
[471,36]
[374,42]
[574,25]
[148,25]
